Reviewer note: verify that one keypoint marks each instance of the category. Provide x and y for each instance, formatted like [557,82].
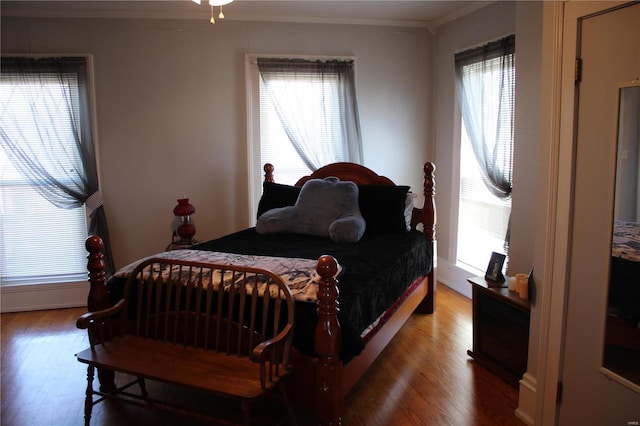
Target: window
[307,116]
[485,78]
[275,146]
[47,170]
[39,242]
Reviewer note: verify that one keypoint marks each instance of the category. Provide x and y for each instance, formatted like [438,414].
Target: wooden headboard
[362,175]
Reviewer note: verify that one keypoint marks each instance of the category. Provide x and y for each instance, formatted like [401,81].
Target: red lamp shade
[184,208]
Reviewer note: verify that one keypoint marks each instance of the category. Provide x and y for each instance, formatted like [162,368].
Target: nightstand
[500,330]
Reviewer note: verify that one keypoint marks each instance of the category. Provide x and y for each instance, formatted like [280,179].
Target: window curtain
[485,83]
[288,81]
[67,178]
[487,113]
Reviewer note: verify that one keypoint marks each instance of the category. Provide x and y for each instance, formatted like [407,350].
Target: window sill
[31,297]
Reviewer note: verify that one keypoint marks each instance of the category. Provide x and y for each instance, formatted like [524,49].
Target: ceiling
[413,13]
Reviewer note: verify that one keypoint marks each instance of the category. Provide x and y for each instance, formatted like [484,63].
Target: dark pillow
[275,195]
[382,207]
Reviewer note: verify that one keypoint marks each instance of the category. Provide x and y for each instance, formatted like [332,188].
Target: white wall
[170,100]
[525,220]
[489,23]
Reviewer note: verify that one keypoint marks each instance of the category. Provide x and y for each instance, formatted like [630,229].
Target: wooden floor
[424,377]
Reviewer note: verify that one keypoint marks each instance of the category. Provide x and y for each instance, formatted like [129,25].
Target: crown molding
[88,9]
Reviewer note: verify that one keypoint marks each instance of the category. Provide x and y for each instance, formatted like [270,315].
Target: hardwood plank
[423,377]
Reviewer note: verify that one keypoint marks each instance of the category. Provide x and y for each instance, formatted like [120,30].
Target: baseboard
[527,399]
[454,277]
[37,297]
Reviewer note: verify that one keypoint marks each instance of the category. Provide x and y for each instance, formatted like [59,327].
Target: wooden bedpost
[268,172]
[429,209]
[328,342]
[98,297]
[429,222]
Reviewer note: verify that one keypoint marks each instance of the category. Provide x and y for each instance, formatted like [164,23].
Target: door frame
[561,25]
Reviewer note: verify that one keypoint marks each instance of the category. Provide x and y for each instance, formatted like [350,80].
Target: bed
[624,291]
[622,335]
[366,289]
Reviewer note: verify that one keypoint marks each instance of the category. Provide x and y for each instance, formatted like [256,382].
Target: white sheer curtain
[45,131]
[316,104]
[485,81]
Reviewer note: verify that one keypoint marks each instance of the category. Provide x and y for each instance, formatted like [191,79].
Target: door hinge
[559,393]
[578,75]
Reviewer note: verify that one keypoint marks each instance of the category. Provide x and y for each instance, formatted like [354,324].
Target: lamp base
[186,231]
[178,242]
[181,244]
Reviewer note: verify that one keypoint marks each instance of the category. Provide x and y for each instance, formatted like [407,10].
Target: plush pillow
[383,208]
[276,195]
[325,207]
[409,204]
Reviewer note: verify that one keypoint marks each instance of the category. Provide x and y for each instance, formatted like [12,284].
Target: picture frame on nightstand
[494,270]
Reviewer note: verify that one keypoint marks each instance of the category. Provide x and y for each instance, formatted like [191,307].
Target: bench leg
[143,388]
[88,400]
[246,412]
[291,413]
[107,380]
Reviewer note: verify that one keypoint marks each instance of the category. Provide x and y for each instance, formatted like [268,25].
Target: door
[609,47]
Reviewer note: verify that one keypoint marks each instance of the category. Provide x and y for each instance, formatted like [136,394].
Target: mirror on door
[622,335]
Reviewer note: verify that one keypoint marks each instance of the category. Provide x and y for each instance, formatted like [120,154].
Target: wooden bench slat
[158,331]
[176,364]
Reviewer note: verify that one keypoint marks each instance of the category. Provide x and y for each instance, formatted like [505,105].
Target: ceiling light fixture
[213,3]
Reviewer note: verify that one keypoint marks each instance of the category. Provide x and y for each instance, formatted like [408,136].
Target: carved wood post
[98,297]
[429,210]
[429,219]
[328,338]
[268,172]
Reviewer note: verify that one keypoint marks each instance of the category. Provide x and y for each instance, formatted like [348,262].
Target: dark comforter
[624,291]
[377,270]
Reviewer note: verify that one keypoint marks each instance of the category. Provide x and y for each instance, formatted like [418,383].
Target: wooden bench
[177,325]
